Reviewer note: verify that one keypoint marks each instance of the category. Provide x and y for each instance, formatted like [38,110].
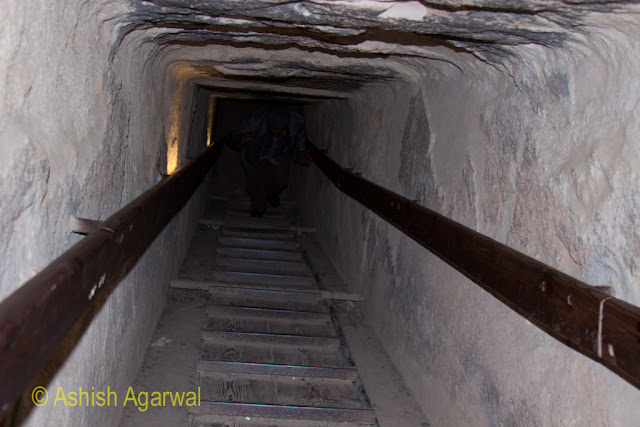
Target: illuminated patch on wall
[210,115]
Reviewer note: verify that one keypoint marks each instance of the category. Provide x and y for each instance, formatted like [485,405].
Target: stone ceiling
[365,33]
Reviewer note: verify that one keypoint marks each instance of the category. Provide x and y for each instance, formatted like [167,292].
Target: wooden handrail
[590,321]
[36,317]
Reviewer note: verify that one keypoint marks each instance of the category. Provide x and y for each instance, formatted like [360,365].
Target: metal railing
[36,317]
[590,321]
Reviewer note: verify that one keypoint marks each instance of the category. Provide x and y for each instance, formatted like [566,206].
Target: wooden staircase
[272,353]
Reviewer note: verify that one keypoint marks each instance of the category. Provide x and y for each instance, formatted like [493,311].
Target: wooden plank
[280,287]
[265,298]
[270,213]
[246,203]
[278,390]
[211,420]
[341,296]
[238,389]
[304,229]
[298,316]
[620,338]
[213,337]
[348,374]
[260,254]
[264,266]
[323,294]
[257,225]
[264,227]
[364,416]
[233,215]
[264,244]
[294,296]
[259,234]
[265,279]
[245,292]
[205,285]
[282,355]
[217,322]
[563,306]
[270,327]
[244,224]
[190,284]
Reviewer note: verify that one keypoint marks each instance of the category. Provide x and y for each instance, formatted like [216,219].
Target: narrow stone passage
[271,350]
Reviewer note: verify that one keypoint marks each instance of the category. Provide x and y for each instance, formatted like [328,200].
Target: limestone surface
[519,119]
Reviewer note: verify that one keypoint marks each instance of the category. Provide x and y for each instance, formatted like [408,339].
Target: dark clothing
[267,179]
[267,148]
[264,144]
[265,158]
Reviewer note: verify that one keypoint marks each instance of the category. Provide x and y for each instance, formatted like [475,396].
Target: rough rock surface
[517,118]
[536,163]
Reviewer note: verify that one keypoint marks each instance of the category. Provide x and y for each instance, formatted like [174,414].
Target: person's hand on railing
[304,157]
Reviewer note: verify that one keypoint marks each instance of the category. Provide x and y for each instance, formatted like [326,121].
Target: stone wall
[518,119]
[88,115]
[541,157]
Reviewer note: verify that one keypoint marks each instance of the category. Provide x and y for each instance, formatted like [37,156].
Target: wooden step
[205,285]
[260,254]
[210,420]
[264,266]
[263,234]
[270,299]
[264,244]
[265,219]
[272,349]
[269,314]
[263,279]
[283,355]
[276,413]
[246,204]
[270,213]
[240,387]
[242,319]
[348,374]
[270,327]
[256,225]
[245,224]
[296,341]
